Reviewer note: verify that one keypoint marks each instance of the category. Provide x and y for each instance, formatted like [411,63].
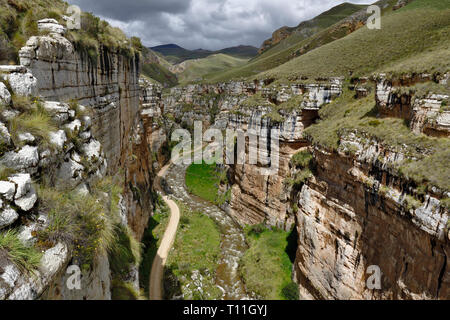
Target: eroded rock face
[345,226]
[110,138]
[111,89]
[426,114]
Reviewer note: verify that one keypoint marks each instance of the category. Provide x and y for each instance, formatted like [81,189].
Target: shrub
[291,291]
[302,159]
[124,252]
[25,258]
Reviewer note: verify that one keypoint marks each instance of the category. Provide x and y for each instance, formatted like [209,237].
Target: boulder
[59,111]
[74,126]
[92,149]
[27,202]
[23,84]
[51,25]
[25,158]
[23,183]
[5,137]
[26,137]
[5,96]
[7,190]
[7,217]
[58,139]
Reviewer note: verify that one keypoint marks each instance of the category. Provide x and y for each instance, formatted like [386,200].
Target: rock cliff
[95,105]
[354,210]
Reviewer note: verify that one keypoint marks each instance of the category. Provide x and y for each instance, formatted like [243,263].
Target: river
[233,243]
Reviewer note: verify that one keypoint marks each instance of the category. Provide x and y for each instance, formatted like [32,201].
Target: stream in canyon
[233,245]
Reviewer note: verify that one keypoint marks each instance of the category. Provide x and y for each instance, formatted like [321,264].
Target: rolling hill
[278,55]
[176,54]
[194,70]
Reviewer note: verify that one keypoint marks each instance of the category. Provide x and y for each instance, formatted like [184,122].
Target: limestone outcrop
[96,106]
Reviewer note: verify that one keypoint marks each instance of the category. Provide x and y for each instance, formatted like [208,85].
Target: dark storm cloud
[207,24]
[127,10]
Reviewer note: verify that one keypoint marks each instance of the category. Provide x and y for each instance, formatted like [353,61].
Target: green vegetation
[405,34]
[203,180]
[266,267]
[304,161]
[160,74]
[18,22]
[409,41]
[347,114]
[122,291]
[25,258]
[196,69]
[86,223]
[36,121]
[196,249]
[309,28]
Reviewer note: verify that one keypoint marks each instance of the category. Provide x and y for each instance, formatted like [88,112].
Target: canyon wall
[114,140]
[356,210]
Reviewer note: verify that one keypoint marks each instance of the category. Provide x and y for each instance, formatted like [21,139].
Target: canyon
[356,197]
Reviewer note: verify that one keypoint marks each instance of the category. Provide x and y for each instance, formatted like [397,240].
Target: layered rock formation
[356,210]
[356,213]
[108,87]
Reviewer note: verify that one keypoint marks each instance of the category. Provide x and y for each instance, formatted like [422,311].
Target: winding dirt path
[159,262]
[157,272]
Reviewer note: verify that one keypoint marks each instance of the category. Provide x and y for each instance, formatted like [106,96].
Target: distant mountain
[176,54]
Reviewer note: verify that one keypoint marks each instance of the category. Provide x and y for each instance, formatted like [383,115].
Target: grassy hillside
[18,22]
[196,69]
[176,54]
[411,39]
[280,55]
[308,28]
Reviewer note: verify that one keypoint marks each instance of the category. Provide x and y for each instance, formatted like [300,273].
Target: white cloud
[207,24]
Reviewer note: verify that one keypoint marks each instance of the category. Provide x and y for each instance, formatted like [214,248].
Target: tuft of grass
[6,172]
[266,267]
[35,121]
[123,291]
[25,258]
[87,223]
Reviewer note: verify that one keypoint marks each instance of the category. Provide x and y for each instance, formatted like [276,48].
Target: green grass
[196,69]
[308,28]
[196,248]
[266,267]
[404,35]
[86,223]
[160,74]
[203,180]
[25,258]
[414,38]
[37,121]
[348,114]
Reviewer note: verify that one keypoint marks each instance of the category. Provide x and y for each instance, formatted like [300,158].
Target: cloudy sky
[207,24]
